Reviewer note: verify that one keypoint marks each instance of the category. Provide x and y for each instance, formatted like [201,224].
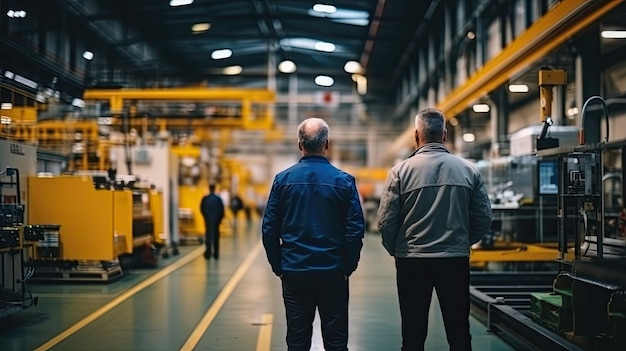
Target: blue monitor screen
[548,177]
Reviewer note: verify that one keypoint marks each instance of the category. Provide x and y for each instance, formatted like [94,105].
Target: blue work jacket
[313,220]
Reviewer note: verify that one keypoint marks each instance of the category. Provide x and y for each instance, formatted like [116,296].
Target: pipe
[581,132]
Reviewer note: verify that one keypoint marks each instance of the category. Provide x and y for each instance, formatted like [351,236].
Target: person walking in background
[212,209]
[313,231]
[434,206]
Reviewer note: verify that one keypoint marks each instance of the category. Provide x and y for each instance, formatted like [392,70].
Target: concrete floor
[231,304]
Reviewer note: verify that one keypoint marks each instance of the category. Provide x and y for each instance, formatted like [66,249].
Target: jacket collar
[314,159]
[430,147]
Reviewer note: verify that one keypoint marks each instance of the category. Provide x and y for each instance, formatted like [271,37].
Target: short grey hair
[431,124]
[313,134]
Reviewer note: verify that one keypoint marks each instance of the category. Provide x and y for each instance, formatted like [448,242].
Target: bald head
[430,126]
[313,136]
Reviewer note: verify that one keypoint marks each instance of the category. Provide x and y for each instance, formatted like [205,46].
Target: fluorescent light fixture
[9,74]
[453,121]
[324,81]
[469,137]
[78,102]
[233,70]
[88,55]
[352,67]
[6,106]
[324,46]
[287,66]
[175,3]
[200,27]
[613,34]
[323,8]
[40,97]
[221,54]
[29,83]
[518,88]
[344,16]
[471,35]
[480,108]
[16,14]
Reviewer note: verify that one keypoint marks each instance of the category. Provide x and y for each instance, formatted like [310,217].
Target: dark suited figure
[212,209]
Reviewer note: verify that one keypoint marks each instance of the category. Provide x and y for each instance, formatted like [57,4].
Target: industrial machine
[96,226]
[15,241]
[589,293]
[581,305]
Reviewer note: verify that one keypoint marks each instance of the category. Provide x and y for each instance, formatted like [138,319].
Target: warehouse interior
[117,115]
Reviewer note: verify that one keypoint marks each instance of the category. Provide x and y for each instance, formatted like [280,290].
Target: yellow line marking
[121,298]
[264,342]
[220,300]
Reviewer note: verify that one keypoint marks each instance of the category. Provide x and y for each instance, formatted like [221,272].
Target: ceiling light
[23,80]
[88,55]
[16,14]
[323,8]
[352,67]
[324,81]
[573,111]
[614,34]
[480,108]
[344,16]
[233,70]
[469,137]
[471,35]
[221,54]
[361,85]
[9,74]
[324,46]
[6,106]
[287,66]
[78,102]
[175,3]
[518,88]
[200,27]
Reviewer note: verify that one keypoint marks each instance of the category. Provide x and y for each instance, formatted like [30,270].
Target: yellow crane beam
[561,23]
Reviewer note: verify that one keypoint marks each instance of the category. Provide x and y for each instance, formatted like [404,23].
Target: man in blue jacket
[212,209]
[313,234]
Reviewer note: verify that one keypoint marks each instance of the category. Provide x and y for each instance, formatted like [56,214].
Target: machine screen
[548,180]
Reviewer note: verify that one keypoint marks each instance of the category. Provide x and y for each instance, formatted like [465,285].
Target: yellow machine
[156,209]
[95,224]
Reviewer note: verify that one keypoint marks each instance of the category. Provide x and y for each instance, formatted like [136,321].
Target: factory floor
[230,304]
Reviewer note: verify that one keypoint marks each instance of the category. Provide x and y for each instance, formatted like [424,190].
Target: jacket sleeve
[480,211]
[220,204]
[272,220]
[389,212]
[354,230]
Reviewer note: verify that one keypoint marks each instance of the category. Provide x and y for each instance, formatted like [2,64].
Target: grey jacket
[434,205]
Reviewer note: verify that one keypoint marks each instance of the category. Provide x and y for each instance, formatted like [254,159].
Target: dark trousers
[212,238]
[302,294]
[416,278]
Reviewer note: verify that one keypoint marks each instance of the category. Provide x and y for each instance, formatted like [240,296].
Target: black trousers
[212,238]
[303,293]
[416,278]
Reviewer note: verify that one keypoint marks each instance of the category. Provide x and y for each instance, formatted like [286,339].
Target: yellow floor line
[121,298]
[264,342]
[220,300]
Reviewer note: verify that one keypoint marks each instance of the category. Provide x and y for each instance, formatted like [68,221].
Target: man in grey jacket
[433,208]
